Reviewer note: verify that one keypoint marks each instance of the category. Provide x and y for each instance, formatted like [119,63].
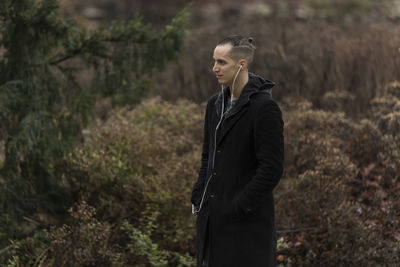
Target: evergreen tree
[43,107]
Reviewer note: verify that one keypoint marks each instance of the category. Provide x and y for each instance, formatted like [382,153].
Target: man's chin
[220,81]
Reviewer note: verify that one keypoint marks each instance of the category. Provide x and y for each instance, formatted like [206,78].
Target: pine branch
[75,53]
[66,57]
[43,104]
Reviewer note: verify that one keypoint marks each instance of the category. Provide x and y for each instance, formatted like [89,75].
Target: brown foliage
[341,180]
[86,242]
[140,157]
[305,59]
[336,205]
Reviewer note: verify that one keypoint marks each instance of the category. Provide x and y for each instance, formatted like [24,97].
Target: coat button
[214,173]
[219,151]
[212,195]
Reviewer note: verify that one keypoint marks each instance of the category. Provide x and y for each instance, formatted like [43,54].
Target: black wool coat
[242,162]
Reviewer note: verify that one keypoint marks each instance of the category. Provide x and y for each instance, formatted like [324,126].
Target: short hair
[241,47]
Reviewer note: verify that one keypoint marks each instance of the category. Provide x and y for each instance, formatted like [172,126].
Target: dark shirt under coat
[237,215]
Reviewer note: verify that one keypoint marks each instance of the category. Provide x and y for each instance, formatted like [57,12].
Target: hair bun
[250,40]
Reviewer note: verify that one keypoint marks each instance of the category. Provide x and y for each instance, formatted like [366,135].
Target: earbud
[240,67]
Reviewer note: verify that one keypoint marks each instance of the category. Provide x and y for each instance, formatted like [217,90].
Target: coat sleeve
[269,148]
[199,185]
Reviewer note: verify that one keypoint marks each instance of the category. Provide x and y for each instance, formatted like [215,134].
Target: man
[242,162]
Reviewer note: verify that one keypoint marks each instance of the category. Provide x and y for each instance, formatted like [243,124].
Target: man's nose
[215,69]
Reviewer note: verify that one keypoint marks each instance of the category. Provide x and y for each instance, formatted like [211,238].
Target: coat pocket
[232,212]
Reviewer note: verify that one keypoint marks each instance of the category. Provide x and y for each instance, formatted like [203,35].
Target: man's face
[225,67]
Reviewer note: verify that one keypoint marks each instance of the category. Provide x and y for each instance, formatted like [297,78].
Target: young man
[242,162]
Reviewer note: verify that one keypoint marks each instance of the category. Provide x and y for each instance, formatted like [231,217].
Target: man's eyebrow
[220,60]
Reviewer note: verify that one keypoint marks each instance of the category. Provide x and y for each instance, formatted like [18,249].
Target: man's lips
[219,76]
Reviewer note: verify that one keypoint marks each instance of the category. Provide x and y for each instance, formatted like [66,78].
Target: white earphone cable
[234,80]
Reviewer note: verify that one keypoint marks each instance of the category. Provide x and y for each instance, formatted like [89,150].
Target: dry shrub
[338,100]
[365,145]
[338,197]
[148,155]
[316,189]
[83,241]
[388,109]
[310,133]
[383,105]
[378,141]
[393,89]
[390,123]
[384,173]
[86,242]
[386,103]
[338,188]
[305,59]
[318,175]
[389,159]
[89,242]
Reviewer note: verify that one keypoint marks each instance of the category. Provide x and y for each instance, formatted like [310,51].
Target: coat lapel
[229,122]
[233,116]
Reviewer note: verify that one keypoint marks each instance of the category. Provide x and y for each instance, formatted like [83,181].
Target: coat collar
[255,85]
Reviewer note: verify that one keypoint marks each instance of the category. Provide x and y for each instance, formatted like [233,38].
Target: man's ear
[243,62]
